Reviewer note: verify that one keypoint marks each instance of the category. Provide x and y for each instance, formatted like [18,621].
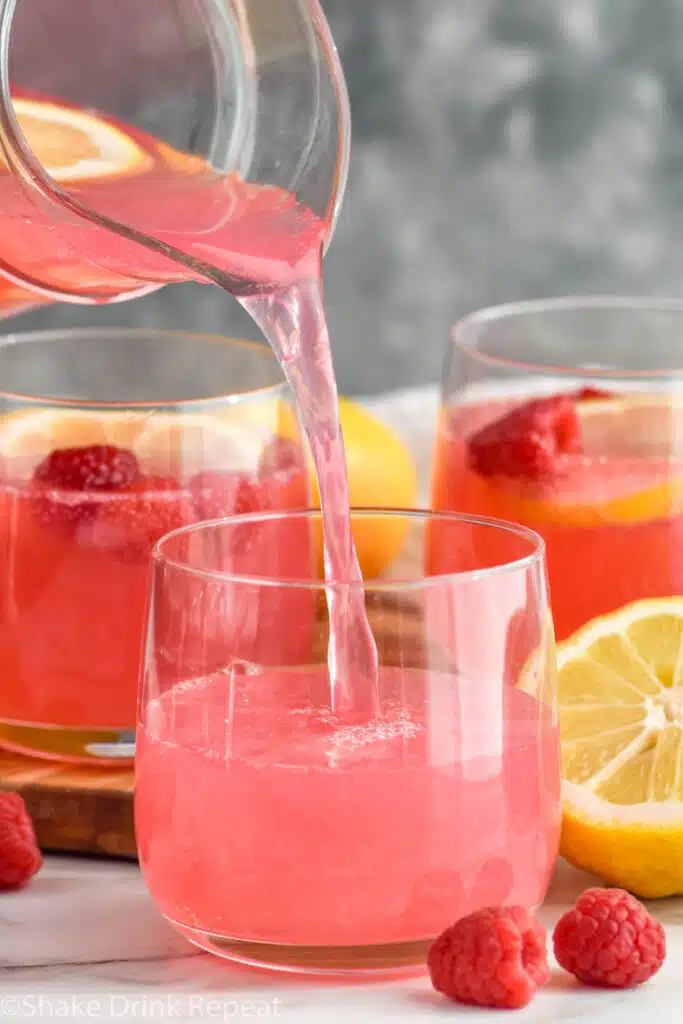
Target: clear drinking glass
[161,111]
[276,831]
[566,416]
[108,439]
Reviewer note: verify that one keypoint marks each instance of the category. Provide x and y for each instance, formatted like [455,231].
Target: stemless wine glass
[129,130]
[274,829]
[108,439]
[566,416]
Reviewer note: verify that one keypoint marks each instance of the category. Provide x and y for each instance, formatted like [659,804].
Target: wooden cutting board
[75,809]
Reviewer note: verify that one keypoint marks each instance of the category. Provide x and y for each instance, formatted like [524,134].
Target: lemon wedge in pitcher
[77,145]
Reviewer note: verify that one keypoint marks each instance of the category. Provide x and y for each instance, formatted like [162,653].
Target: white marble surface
[84,941]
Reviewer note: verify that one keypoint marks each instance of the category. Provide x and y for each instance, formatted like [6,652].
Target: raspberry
[609,939]
[153,485]
[66,473]
[590,394]
[280,456]
[20,857]
[131,522]
[494,957]
[528,442]
[100,467]
[217,494]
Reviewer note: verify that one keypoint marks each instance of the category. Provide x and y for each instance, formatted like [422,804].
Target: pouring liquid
[259,244]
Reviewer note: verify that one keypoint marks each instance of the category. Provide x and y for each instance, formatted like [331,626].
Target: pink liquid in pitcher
[265,248]
[282,823]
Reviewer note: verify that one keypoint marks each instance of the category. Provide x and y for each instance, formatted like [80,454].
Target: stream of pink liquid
[265,248]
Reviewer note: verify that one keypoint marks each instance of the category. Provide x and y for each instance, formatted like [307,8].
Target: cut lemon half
[75,145]
[620,685]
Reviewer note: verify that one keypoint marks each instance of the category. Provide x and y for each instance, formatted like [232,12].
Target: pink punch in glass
[276,831]
[90,482]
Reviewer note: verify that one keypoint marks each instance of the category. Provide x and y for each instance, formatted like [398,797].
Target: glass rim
[86,335]
[480,318]
[524,562]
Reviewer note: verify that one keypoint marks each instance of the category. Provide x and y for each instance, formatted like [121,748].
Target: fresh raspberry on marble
[20,857]
[609,939]
[528,442]
[494,957]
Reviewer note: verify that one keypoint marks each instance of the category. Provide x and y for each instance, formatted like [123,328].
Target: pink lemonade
[208,226]
[611,516]
[260,244]
[74,569]
[348,806]
[276,821]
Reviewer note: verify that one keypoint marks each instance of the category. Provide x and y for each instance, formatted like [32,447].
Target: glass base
[79,746]
[392,958]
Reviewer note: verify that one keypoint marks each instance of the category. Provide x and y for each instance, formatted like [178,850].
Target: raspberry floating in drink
[597,476]
[85,497]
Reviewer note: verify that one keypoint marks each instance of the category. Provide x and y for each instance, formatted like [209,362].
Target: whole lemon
[382,474]
[381,471]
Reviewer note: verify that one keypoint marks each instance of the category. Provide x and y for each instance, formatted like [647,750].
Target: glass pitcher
[145,139]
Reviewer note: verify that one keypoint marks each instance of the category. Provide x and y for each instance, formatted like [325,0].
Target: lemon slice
[620,684]
[631,470]
[75,145]
[180,444]
[633,425]
[170,443]
[29,435]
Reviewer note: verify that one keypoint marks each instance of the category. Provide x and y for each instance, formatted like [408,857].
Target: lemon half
[620,681]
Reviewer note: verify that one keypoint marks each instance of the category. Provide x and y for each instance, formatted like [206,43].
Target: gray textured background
[502,149]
